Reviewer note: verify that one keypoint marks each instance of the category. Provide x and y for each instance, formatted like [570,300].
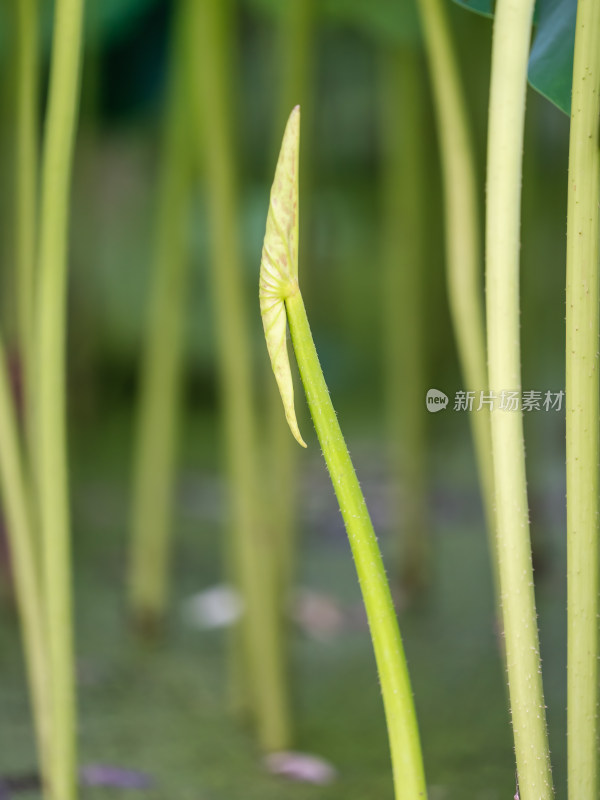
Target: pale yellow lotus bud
[279,264]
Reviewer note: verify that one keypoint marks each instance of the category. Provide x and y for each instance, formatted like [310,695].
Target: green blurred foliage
[104,19]
[112,237]
[115,185]
[109,19]
[386,20]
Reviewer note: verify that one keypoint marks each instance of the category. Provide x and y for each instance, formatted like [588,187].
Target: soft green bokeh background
[163,711]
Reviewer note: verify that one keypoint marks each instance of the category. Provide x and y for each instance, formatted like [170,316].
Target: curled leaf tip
[279,264]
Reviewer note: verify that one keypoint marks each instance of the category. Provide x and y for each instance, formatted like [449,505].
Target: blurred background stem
[464,269]
[50,430]
[24,553]
[404,275]
[582,406]
[26,195]
[154,464]
[211,52]
[295,58]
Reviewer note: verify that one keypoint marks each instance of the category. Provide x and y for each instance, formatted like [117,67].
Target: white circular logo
[436,400]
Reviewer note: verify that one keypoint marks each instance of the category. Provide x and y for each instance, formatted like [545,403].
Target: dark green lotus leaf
[485,7]
[551,59]
[391,20]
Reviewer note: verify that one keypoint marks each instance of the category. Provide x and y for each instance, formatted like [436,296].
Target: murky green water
[162,711]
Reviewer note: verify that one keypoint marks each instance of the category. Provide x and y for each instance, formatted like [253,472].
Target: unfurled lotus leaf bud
[279,264]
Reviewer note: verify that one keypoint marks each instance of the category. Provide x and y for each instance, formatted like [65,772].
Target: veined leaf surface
[279,264]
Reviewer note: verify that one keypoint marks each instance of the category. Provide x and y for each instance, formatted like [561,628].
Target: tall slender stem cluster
[582,406]
[510,49]
[24,547]
[33,479]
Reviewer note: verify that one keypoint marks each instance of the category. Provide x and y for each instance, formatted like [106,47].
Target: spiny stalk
[583,220]
[510,51]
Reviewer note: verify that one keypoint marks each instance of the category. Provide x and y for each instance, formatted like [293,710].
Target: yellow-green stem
[25,563]
[404,274]
[582,406]
[26,195]
[211,53]
[51,435]
[464,271]
[407,763]
[161,367]
[9,64]
[510,50]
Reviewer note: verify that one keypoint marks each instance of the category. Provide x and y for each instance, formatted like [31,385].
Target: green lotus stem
[403,280]
[51,439]
[582,406]
[26,194]
[160,380]
[464,272]
[281,302]
[25,562]
[510,50]
[210,52]
[294,63]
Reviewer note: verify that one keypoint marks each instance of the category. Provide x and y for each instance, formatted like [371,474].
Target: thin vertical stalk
[26,194]
[51,438]
[160,378]
[583,221]
[281,302]
[211,56]
[403,733]
[9,66]
[510,50]
[404,274]
[25,562]
[464,272]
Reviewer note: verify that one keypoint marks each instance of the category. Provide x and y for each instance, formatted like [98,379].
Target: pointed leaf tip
[279,264]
